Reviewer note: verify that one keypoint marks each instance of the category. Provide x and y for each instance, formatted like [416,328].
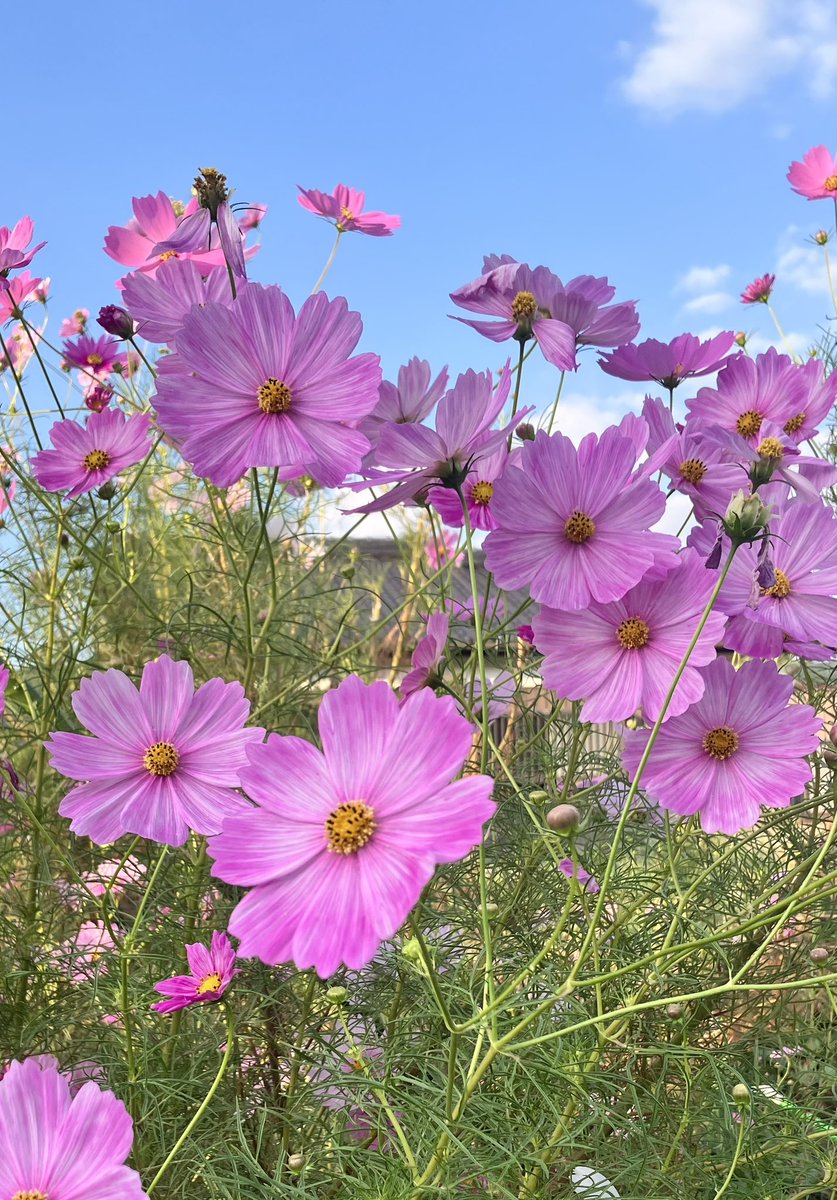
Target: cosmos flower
[82,955]
[575,871]
[749,392]
[775,457]
[815,177]
[427,655]
[98,397]
[155,219]
[98,357]
[741,746]
[342,841]
[623,656]
[56,1146]
[84,457]
[477,490]
[160,302]
[574,525]
[164,758]
[116,320]
[409,402]
[114,876]
[440,550]
[252,217]
[212,972]
[696,466]
[758,292]
[284,393]
[344,209]
[14,246]
[668,363]
[15,293]
[19,349]
[819,398]
[193,233]
[77,323]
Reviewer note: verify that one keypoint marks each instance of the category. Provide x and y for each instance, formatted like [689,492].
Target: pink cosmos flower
[82,954]
[758,292]
[155,219]
[19,349]
[164,758]
[342,842]
[252,217]
[14,246]
[427,655]
[478,491]
[86,456]
[740,747]
[56,1146]
[160,302]
[574,525]
[344,208]
[212,973]
[77,323]
[815,177]
[818,401]
[98,357]
[194,231]
[15,293]
[748,392]
[438,555]
[775,456]
[98,397]
[409,402]
[114,876]
[623,656]
[696,465]
[284,393]
[668,363]
[42,289]
[575,871]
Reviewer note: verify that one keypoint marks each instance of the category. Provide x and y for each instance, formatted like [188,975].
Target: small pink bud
[818,954]
[525,431]
[821,237]
[741,339]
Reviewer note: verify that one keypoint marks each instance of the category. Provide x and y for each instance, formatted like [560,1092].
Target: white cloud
[801,264]
[581,414]
[702,279]
[800,343]
[712,55]
[710,302]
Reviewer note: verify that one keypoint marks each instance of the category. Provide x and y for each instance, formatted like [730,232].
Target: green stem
[739,1146]
[327,267]
[556,401]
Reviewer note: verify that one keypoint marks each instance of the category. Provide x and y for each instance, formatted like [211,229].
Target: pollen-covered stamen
[346,214]
[749,423]
[96,460]
[482,492]
[167,254]
[579,528]
[721,743]
[349,827]
[211,188]
[692,470]
[633,633]
[209,983]
[830,184]
[781,589]
[794,424]
[94,360]
[770,447]
[274,396]
[30,1194]
[161,759]
[524,306]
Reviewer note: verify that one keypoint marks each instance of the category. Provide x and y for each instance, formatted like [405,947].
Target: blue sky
[646,140]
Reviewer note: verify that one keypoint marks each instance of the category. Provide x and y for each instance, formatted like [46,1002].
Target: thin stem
[782,333]
[739,1146]
[327,267]
[556,401]
[33,343]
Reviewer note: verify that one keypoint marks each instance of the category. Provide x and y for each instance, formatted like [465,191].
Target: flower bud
[746,518]
[821,237]
[525,431]
[832,733]
[526,634]
[830,757]
[99,397]
[538,798]
[491,909]
[740,339]
[112,526]
[675,1011]
[741,1094]
[337,995]
[116,321]
[818,954]
[563,818]
[296,1162]
[107,492]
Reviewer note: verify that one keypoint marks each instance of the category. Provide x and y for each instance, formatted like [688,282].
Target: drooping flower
[696,466]
[574,525]
[155,219]
[623,656]
[758,292]
[164,758]
[193,234]
[56,1146]
[427,655]
[740,747]
[749,392]
[212,972]
[344,208]
[815,177]
[77,323]
[98,357]
[284,393]
[98,397]
[84,457]
[668,363]
[159,303]
[407,403]
[477,490]
[15,249]
[343,841]
[19,349]
[15,293]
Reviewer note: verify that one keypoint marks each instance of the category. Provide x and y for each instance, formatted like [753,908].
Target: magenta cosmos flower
[406,403]
[164,758]
[623,656]
[748,392]
[343,841]
[160,302]
[478,491]
[815,177]
[14,246]
[84,457]
[194,231]
[740,747]
[95,356]
[695,464]
[55,1146]
[212,970]
[283,394]
[574,524]
[668,363]
[155,219]
[758,292]
[344,208]
[427,656]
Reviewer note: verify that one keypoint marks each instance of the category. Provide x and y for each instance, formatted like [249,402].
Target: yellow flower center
[721,743]
[693,470]
[274,396]
[161,759]
[771,447]
[94,360]
[30,1194]
[579,528]
[795,423]
[524,307]
[97,460]
[482,492]
[749,423]
[210,983]
[167,254]
[633,633]
[781,588]
[830,184]
[347,214]
[349,827]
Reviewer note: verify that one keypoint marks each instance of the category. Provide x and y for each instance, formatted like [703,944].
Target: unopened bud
[538,797]
[821,237]
[675,1011]
[107,492]
[77,563]
[114,527]
[832,733]
[740,339]
[741,1094]
[116,321]
[818,954]
[99,397]
[337,995]
[563,818]
[830,757]
[491,909]
[746,518]
[525,431]
[296,1162]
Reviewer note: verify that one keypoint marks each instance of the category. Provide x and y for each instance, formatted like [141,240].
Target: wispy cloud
[710,302]
[703,287]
